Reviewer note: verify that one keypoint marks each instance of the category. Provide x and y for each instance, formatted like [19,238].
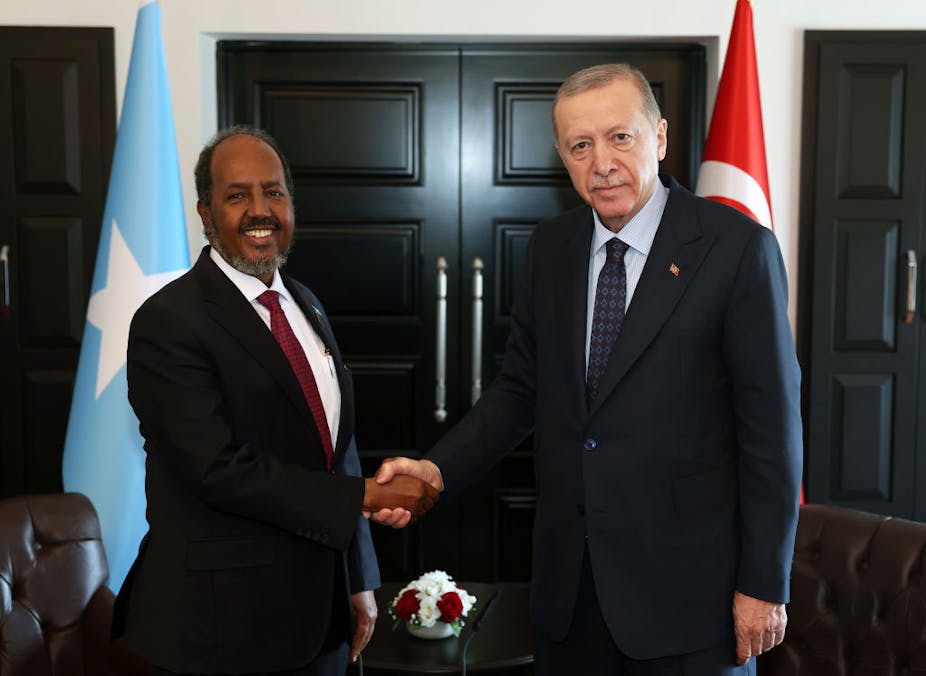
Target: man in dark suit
[257,554]
[658,375]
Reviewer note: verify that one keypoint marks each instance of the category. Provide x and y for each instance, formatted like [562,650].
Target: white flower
[468,600]
[429,588]
[428,613]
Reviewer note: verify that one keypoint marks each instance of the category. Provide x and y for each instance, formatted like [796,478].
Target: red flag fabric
[733,169]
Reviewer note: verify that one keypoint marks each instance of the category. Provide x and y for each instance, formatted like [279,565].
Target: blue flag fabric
[143,245]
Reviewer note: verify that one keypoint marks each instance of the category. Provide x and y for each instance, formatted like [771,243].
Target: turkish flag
[733,170]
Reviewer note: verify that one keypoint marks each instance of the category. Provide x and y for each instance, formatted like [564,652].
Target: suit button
[590,444]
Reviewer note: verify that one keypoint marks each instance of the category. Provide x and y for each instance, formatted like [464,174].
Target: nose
[258,206]
[603,160]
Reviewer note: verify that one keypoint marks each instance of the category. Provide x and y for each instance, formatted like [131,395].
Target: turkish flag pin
[674,269]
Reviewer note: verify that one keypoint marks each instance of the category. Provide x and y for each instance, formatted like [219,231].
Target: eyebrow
[621,126]
[248,184]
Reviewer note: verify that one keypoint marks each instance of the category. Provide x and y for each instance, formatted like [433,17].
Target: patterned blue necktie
[610,302]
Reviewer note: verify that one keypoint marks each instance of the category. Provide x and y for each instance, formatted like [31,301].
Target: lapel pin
[674,269]
[318,314]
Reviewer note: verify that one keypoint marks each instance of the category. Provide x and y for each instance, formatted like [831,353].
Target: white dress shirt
[638,234]
[319,357]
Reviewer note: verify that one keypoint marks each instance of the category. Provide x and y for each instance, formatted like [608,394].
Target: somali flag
[143,245]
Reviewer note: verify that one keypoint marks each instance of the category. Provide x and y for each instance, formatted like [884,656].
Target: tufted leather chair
[55,609]
[858,597]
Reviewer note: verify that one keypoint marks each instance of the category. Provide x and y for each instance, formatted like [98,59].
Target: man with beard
[257,553]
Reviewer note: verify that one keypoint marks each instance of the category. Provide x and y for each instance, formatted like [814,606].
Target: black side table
[502,646]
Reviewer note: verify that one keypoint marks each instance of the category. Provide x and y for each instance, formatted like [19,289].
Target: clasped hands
[402,491]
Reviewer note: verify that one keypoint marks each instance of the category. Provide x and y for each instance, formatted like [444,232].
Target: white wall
[190,28]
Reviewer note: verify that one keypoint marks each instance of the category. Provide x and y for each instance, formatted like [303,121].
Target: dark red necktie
[284,335]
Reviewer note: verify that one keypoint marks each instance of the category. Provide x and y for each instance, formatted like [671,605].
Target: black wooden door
[57,132]
[407,158]
[863,219]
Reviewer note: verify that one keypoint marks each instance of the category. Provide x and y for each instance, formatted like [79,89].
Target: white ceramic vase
[439,630]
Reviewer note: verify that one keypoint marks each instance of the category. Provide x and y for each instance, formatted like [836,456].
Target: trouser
[589,649]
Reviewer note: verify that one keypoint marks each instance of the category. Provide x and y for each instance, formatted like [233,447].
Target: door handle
[440,389]
[5,308]
[911,287]
[476,390]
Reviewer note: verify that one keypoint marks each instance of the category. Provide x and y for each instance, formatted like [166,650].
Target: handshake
[402,491]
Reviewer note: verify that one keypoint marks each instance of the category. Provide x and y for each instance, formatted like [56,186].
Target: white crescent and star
[722,179]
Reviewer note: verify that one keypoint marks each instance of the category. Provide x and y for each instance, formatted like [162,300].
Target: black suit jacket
[684,471]
[248,530]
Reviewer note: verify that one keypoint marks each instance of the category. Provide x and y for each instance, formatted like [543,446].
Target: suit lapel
[679,242]
[230,309]
[320,323]
[574,299]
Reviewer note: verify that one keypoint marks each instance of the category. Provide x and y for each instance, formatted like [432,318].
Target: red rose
[407,605]
[450,607]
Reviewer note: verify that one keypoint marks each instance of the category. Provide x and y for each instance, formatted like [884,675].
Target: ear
[203,210]
[556,139]
[662,139]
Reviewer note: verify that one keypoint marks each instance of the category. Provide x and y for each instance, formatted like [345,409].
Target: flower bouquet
[432,606]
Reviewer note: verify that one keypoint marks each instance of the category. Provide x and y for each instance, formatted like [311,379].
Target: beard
[261,267]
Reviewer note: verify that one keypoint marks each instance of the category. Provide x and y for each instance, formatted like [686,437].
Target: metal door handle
[440,390]
[476,391]
[911,287]
[5,281]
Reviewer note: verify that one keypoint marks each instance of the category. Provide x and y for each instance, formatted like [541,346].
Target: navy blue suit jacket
[684,472]
[248,530]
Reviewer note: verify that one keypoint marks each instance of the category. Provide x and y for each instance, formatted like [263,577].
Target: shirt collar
[640,230]
[250,287]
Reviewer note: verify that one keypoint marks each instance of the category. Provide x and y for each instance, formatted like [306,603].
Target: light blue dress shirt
[638,233]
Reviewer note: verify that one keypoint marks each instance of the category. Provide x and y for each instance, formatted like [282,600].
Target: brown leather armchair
[55,609]
[858,597]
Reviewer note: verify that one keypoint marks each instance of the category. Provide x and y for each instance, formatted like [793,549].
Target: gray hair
[603,75]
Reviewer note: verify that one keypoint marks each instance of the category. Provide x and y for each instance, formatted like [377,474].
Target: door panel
[404,156]
[866,203]
[57,119]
